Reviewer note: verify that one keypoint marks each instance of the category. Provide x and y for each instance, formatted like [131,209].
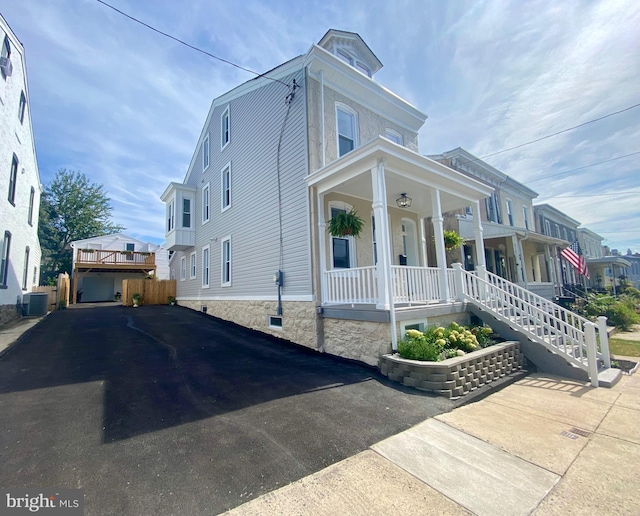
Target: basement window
[275,322]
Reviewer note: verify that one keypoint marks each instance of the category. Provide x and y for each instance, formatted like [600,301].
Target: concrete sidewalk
[544,445]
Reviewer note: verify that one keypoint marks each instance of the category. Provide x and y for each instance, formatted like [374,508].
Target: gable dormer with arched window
[351,48]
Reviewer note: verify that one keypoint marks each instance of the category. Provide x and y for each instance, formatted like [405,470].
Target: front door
[410,242]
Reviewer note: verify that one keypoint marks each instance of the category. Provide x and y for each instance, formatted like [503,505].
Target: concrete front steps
[544,359]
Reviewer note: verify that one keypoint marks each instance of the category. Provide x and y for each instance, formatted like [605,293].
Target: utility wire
[580,168]
[592,195]
[189,45]
[560,132]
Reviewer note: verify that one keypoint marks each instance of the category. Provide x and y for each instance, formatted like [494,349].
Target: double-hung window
[347,130]
[4,259]
[32,196]
[25,270]
[205,153]
[129,249]
[510,212]
[525,214]
[342,247]
[183,268]
[22,106]
[226,262]
[186,213]
[205,266]
[13,178]
[192,266]
[226,187]
[6,54]
[205,203]
[171,210]
[225,127]
[394,136]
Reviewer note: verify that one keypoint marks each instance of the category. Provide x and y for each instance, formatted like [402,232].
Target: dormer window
[351,60]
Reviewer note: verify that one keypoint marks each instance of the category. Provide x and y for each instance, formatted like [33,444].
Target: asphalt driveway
[163,410]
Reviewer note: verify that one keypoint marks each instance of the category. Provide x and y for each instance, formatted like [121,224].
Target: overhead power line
[563,131]
[189,45]
[591,195]
[580,168]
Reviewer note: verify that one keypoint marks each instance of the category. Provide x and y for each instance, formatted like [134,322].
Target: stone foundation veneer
[457,376]
[8,313]
[299,319]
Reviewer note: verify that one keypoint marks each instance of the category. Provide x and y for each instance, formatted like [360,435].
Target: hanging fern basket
[452,240]
[346,224]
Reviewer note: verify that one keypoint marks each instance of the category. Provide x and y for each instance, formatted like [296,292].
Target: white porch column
[517,255]
[441,255]
[322,246]
[481,265]
[379,205]
[383,240]
[423,240]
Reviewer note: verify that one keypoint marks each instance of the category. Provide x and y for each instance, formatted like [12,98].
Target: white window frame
[171,210]
[271,319]
[206,153]
[355,127]
[510,214]
[193,271]
[22,106]
[32,197]
[225,177]
[183,268]
[13,180]
[5,256]
[352,241]
[206,266]
[394,136]
[547,227]
[25,269]
[525,215]
[225,133]
[345,56]
[226,242]
[206,203]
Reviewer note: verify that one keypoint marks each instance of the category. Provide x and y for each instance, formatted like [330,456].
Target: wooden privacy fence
[153,292]
[58,296]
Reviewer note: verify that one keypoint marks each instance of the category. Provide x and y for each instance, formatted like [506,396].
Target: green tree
[71,208]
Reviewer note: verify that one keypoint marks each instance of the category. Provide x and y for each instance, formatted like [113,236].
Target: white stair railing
[558,329]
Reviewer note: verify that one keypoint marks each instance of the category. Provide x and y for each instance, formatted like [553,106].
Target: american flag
[573,254]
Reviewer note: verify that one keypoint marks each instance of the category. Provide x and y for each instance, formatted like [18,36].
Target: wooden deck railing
[106,257]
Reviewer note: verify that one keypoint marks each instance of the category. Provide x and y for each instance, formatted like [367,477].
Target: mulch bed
[624,365]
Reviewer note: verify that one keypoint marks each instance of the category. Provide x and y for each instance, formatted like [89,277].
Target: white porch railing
[350,286]
[419,285]
[556,328]
[415,284]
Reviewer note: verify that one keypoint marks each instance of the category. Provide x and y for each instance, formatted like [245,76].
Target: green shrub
[619,312]
[439,343]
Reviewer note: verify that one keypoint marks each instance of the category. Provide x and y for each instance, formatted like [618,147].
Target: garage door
[98,288]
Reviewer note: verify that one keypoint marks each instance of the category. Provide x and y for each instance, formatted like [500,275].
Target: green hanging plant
[346,224]
[452,240]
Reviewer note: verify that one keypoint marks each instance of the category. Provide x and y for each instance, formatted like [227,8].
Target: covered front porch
[396,192]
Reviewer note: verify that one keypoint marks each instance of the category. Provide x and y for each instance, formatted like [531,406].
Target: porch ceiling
[405,172]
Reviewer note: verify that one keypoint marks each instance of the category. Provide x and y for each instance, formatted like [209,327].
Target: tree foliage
[71,208]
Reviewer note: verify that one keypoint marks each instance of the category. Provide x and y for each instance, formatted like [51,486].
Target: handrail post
[481,271]
[592,352]
[604,341]
[458,280]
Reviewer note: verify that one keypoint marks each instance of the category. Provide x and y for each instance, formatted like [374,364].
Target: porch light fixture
[403,201]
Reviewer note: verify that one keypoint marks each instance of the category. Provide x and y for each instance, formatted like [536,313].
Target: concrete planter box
[457,376]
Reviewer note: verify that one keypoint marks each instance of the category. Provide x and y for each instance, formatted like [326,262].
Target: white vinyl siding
[253,218]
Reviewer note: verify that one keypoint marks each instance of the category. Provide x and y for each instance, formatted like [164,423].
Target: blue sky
[126,106]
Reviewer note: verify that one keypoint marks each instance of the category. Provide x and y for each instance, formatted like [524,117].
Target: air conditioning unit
[35,303]
[6,66]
